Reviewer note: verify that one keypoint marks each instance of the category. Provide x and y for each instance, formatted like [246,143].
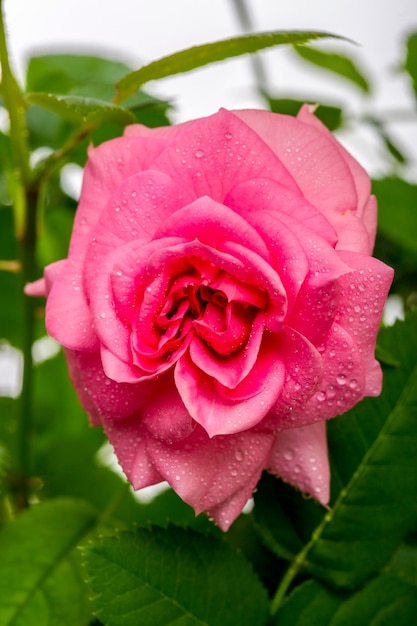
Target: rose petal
[362,297]
[214,475]
[299,456]
[343,383]
[214,224]
[108,166]
[265,194]
[303,377]
[223,411]
[130,439]
[314,159]
[230,370]
[360,177]
[100,396]
[67,301]
[211,155]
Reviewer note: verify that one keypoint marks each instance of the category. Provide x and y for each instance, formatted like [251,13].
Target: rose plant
[219,302]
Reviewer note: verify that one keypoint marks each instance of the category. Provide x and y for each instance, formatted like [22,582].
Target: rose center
[218,309]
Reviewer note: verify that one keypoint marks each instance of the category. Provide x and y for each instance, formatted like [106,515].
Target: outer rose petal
[67,300]
[327,178]
[213,475]
[129,439]
[362,297]
[102,397]
[214,154]
[299,457]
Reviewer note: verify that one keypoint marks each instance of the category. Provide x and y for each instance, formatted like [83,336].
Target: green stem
[298,563]
[15,106]
[25,208]
[24,433]
[246,24]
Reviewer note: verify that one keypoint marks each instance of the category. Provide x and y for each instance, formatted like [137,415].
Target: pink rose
[219,302]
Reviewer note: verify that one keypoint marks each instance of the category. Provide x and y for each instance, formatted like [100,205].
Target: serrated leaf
[81,111]
[335,63]
[385,601]
[40,579]
[198,56]
[397,211]
[173,576]
[374,474]
[378,504]
[411,60]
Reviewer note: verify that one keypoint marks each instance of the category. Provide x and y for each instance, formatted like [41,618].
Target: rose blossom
[219,302]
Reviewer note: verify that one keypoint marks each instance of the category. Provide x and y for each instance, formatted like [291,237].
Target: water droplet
[228,136]
[199,154]
[239,455]
[341,379]
[330,392]
[288,455]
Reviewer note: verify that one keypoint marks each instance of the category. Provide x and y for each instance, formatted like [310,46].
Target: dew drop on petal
[238,455]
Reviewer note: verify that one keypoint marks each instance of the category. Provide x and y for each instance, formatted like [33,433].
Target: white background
[140,31]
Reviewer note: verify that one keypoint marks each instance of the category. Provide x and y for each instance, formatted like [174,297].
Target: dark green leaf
[404,563]
[336,63]
[385,601]
[197,56]
[173,576]
[411,59]
[393,148]
[285,519]
[309,604]
[72,73]
[81,111]
[40,578]
[397,211]
[374,478]
[11,290]
[373,453]
[330,115]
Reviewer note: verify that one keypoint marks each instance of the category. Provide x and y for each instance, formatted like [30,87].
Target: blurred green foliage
[70,101]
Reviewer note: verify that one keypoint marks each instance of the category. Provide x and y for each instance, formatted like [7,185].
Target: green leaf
[374,479]
[173,576]
[411,59]
[330,115]
[81,111]
[71,73]
[397,211]
[404,563]
[385,601]
[336,63]
[373,452]
[197,56]
[309,603]
[40,578]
